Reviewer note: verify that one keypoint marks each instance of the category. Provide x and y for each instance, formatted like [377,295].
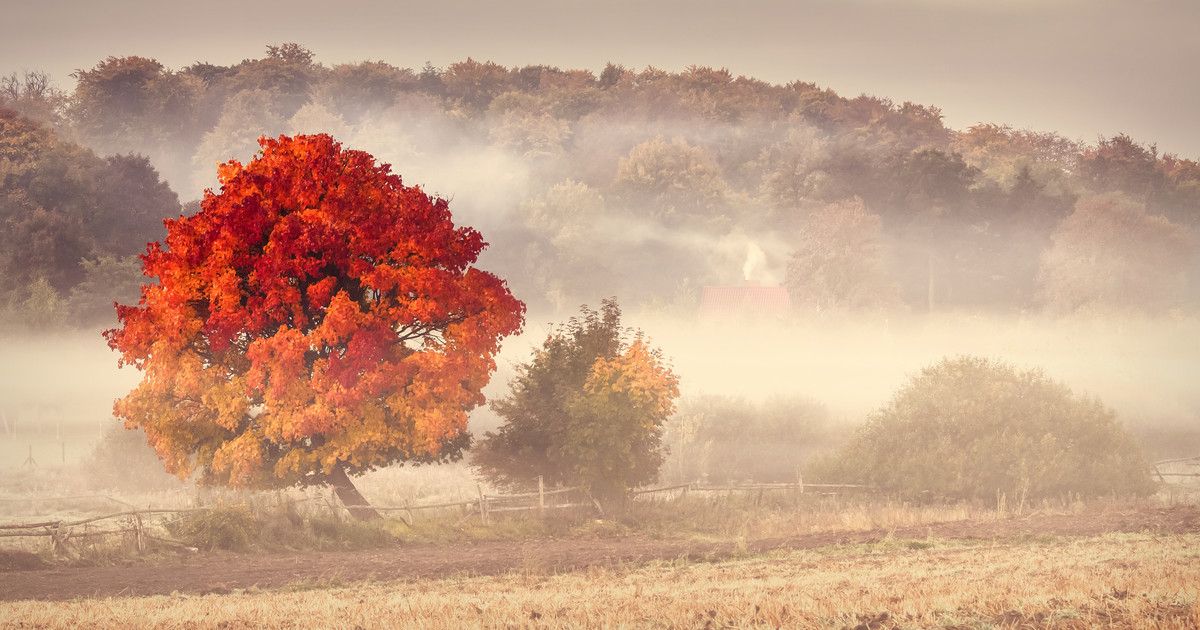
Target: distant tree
[60,204]
[1181,201]
[678,182]
[1120,164]
[371,86]
[613,75]
[134,104]
[44,309]
[108,280]
[33,95]
[567,213]
[246,117]
[430,80]
[587,409]
[123,460]
[130,204]
[43,246]
[882,126]
[288,73]
[969,428]
[930,207]
[1110,255]
[838,261]
[729,440]
[568,250]
[315,320]
[317,117]
[531,136]
[473,84]
[794,180]
[291,53]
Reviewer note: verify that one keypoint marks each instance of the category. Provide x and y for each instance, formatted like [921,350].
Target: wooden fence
[138,522]
[1191,461]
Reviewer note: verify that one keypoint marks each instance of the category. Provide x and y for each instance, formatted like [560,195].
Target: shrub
[124,460]
[722,439]
[967,428]
[225,526]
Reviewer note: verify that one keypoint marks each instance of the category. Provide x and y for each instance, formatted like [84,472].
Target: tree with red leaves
[316,319]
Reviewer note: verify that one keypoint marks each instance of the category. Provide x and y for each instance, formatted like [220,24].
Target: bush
[967,428]
[724,440]
[124,460]
[224,526]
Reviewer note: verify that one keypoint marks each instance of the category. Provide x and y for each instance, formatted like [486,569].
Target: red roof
[749,300]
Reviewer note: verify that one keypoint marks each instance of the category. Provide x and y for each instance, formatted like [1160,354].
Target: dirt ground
[23,577]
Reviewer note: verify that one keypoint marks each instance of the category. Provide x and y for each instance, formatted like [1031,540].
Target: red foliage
[315,314]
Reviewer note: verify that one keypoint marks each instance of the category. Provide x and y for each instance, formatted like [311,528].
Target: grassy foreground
[1115,581]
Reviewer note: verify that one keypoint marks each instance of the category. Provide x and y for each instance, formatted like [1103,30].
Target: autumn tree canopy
[316,318]
[587,409]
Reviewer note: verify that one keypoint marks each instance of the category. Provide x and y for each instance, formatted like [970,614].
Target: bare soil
[26,577]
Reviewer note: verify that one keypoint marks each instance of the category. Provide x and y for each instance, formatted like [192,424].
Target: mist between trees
[900,241]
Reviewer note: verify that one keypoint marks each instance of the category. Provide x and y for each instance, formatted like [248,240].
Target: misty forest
[306,307]
[297,277]
[827,247]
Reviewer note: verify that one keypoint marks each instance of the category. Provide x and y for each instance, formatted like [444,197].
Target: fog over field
[910,215]
[60,389]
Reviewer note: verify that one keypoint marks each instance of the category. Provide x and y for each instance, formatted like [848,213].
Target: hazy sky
[1084,68]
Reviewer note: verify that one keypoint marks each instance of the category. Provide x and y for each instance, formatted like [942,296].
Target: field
[1103,565]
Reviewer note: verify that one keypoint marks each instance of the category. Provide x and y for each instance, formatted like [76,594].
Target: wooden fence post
[139,533]
[482,504]
[541,496]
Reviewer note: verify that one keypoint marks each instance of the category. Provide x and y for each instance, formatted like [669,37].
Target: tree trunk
[350,497]
[930,287]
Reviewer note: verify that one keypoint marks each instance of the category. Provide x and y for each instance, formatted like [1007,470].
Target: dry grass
[1121,581]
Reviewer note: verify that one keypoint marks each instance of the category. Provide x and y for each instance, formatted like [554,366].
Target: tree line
[874,205]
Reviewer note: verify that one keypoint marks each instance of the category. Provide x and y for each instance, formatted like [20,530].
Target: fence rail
[1194,461]
[60,531]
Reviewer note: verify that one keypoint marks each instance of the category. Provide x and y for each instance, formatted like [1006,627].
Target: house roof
[747,300]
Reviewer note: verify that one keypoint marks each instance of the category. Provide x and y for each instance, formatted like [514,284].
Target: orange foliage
[316,313]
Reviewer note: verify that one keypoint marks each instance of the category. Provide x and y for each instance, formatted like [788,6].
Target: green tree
[44,309]
[587,409]
[968,428]
[107,280]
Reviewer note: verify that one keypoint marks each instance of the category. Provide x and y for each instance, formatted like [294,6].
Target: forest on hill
[645,184]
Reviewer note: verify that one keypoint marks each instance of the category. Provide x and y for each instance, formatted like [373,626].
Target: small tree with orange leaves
[316,319]
[587,409]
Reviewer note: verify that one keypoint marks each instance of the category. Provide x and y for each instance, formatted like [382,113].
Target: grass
[1124,581]
[304,519]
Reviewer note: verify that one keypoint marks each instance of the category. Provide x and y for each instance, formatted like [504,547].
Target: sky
[1083,68]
